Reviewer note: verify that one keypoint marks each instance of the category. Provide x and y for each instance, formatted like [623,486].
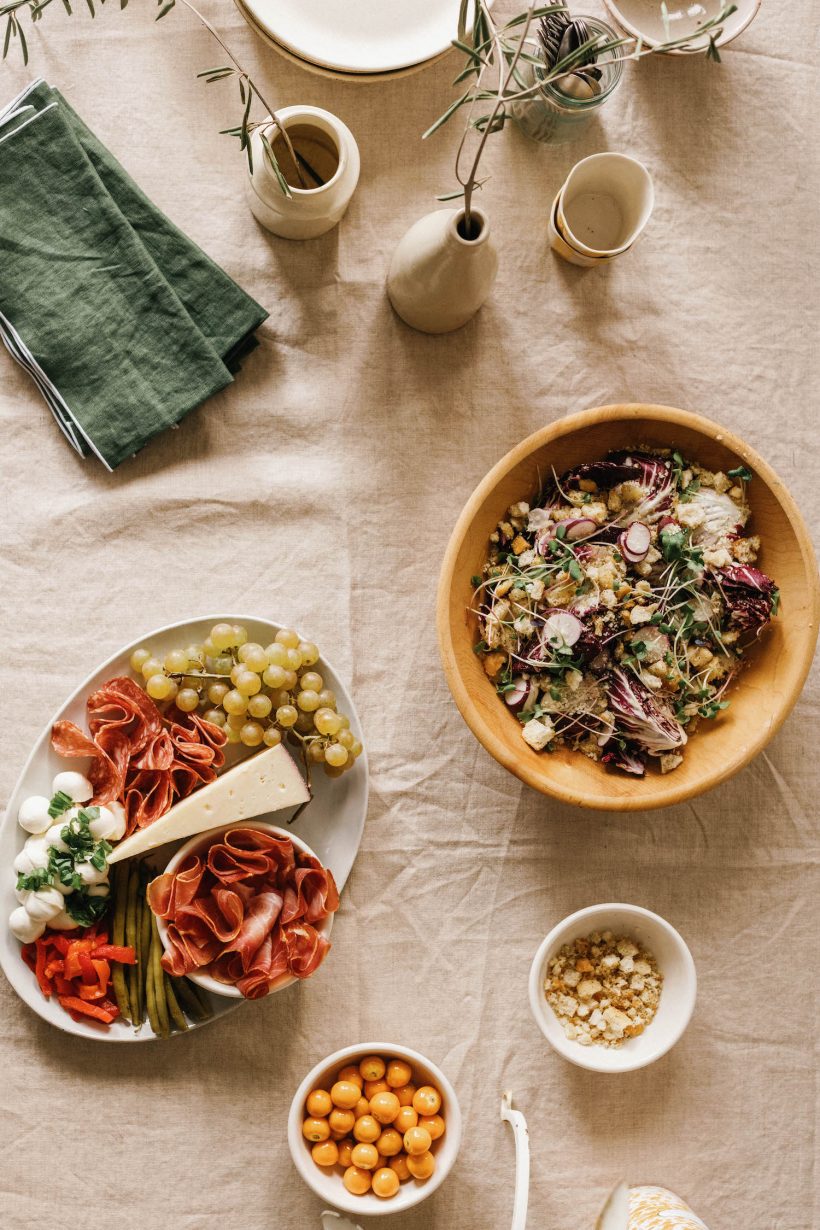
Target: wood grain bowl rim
[665,792]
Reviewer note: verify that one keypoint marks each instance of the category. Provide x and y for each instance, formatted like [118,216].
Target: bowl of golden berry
[374,1128]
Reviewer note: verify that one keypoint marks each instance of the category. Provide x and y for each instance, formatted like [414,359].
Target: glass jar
[554,115]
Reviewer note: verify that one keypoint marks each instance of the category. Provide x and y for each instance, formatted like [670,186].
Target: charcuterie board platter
[331,823]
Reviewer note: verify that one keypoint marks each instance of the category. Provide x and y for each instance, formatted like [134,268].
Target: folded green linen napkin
[124,324]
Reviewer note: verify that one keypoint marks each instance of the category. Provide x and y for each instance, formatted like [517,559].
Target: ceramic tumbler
[328,172]
[601,209]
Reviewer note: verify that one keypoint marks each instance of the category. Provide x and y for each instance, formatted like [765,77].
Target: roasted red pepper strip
[28,954]
[114,952]
[60,942]
[89,974]
[40,966]
[73,1004]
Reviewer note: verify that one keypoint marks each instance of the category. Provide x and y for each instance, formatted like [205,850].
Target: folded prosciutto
[146,760]
[246,913]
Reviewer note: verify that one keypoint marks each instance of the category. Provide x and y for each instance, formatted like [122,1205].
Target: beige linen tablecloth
[321,489]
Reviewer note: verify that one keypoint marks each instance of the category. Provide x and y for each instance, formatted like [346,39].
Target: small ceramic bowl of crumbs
[613,987]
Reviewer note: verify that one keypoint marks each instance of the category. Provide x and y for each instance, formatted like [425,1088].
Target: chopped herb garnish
[59,803]
[742,472]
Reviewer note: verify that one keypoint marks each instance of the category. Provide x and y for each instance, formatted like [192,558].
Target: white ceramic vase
[438,278]
[328,148]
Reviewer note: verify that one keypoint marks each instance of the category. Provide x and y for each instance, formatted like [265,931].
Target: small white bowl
[677,999]
[327,1183]
[643,19]
[200,843]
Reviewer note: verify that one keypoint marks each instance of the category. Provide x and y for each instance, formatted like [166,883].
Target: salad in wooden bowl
[628,607]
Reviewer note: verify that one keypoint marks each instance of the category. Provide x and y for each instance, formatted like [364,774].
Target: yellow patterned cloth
[656,1208]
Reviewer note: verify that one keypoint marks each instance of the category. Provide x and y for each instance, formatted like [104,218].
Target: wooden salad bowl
[775,670]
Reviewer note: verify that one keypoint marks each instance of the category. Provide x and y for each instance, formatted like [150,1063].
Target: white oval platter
[331,824]
[370,36]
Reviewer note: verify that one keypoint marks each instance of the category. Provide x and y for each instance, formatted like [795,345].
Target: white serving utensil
[521,1136]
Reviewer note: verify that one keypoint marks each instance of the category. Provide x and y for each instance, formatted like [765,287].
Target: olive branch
[494,57]
[248,89]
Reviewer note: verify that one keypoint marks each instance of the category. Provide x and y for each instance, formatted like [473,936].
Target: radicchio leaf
[656,477]
[626,758]
[605,474]
[641,718]
[750,596]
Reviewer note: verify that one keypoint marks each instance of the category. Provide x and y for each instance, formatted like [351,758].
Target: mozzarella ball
[44,904]
[23,927]
[54,836]
[89,874]
[99,890]
[63,922]
[36,854]
[33,814]
[110,824]
[22,894]
[74,784]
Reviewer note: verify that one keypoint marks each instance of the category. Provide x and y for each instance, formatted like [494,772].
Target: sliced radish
[579,527]
[517,694]
[635,542]
[561,628]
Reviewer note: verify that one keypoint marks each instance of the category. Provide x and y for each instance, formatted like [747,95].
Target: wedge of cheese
[267,781]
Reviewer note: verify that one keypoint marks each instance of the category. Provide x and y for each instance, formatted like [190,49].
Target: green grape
[333,771]
[232,736]
[304,724]
[259,706]
[223,636]
[176,662]
[254,657]
[277,654]
[346,738]
[138,659]
[312,682]
[247,682]
[187,699]
[272,737]
[209,648]
[234,702]
[215,716]
[355,749]
[294,659]
[336,755]
[286,637]
[280,698]
[151,666]
[236,671]
[286,715]
[309,652]
[159,687]
[327,722]
[251,734]
[195,655]
[235,721]
[315,752]
[275,676]
[240,634]
[217,693]
[291,680]
[327,698]
[221,665]
[308,701]
[345,720]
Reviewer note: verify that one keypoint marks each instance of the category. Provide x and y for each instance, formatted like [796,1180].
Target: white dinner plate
[331,824]
[365,36]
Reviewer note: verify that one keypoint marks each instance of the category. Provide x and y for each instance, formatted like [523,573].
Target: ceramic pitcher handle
[522,1160]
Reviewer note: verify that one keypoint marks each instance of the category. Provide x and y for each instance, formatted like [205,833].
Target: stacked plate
[370,40]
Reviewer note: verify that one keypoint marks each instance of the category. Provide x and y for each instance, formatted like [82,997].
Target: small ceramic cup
[329,160]
[601,209]
[677,1001]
